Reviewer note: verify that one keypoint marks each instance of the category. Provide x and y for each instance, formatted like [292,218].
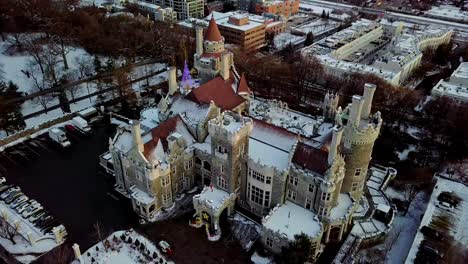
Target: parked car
[4,188]
[12,196]
[20,209]
[165,248]
[31,210]
[34,217]
[18,201]
[11,190]
[44,220]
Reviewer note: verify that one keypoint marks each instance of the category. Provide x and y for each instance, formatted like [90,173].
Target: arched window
[197,161]
[151,209]
[207,165]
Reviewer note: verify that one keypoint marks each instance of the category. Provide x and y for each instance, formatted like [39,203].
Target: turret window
[326,196]
[222,183]
[189,164]
[165,181]
[354,186]
[357,172]
[269,242]
[311,188]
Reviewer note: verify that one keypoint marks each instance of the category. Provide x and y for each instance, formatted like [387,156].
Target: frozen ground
[283,39]
[403,155]
[257,259]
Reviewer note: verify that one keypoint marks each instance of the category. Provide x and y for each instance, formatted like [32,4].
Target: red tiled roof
[212,33]
[161,132]
[219,91]
[243,86]
[310,158]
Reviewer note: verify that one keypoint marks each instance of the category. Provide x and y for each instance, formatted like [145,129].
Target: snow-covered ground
[257,259]
[283,39]
[319,9]
[30,242]
[123,248]
[17,65]
[396,246]
[403,155]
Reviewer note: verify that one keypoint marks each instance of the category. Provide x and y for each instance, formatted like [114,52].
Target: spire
[212,33]
[187,82]
[243,87]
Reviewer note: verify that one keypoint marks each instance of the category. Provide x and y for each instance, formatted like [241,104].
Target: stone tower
[360,132]
[229,142]
[330,105]
[211,59]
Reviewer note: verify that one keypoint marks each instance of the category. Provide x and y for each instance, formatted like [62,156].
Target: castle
[300,173]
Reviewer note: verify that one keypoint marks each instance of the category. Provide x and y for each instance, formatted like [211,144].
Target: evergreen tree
[297,252]
[309,39]
[11,119]
[323,14]
[110,64]
[97,64]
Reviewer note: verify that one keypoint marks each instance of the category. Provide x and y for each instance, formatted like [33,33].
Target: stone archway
[209,205]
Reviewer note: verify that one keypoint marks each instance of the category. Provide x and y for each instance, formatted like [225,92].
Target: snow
[283,39]
[403,155]
[213,197]
[268,155]
[458,216]
[23,250]
[342,208]
[149,118]
[121,252]
[257,259]
[141,196]
[318,10]
[192,112]
[288,220]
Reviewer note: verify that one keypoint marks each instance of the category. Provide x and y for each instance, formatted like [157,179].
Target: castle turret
[229,142]
[360,133]
[213,59]
[136,133]
[199,39]
[330,105]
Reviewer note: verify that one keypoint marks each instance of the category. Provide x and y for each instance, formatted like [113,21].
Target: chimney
[356,107]
[136,132]
[225,65]
[172,77]
[369,90]
[199,39]
[336,140]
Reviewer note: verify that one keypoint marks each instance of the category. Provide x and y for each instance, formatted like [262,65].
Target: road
[394,15]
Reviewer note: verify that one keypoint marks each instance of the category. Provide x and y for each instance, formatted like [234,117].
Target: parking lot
[68,182]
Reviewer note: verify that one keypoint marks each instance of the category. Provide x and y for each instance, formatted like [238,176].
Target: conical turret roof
[212,33]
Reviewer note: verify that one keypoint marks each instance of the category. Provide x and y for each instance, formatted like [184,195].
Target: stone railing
[26,133]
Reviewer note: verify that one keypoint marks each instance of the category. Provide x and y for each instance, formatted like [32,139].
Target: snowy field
[18,65]
[124,247]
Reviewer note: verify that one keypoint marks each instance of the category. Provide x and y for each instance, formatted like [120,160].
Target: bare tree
[410,193]
[8,231]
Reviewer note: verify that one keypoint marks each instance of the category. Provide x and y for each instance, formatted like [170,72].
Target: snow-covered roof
[123,140]
[268,155]
[458,216]
[141,196]
[457,85]
[191,112]
[149,118]
[343,207]
[222,19]
[212,197]
[290,219]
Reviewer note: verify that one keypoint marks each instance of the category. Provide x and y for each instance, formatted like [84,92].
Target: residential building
[456,87]
[300,173]
[388,50]
[157,12]
[184,8]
